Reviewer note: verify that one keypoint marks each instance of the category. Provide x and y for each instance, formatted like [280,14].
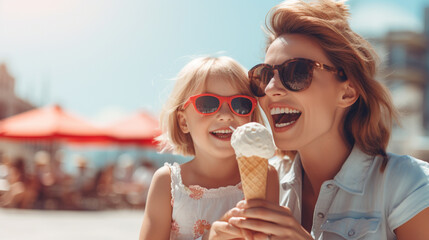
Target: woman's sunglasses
[208,104]
[295,74]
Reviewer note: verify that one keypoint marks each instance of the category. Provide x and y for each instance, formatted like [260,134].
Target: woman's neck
[322,160]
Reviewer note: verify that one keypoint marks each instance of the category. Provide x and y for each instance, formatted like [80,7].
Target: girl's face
[211,133]
[299,119]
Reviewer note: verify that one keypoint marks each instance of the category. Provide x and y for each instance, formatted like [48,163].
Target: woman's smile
[284,118]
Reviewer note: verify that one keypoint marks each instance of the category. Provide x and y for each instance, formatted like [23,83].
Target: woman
[318,90]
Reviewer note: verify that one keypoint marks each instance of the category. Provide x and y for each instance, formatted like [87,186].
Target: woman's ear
[348,95]
[181,118]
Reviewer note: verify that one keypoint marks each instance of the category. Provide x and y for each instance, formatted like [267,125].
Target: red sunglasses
[207,104]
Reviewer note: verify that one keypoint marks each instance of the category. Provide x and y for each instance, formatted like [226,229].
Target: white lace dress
[195,208]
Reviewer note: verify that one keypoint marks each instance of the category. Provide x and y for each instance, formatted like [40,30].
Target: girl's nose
[225,113]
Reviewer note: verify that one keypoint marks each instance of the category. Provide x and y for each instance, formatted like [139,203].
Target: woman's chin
[286,144]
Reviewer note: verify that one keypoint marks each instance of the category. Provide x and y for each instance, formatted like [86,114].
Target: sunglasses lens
[241,105]
[207,104]
[296,76]
[260,76]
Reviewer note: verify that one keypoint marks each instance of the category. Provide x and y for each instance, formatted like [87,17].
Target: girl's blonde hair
[192,80]
[368,122]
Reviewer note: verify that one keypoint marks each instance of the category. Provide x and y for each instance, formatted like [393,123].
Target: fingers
[261,236]
[263,210]
[281,216]
[247,234]
[253,203]
[223,230]
[263,217]
[257,225]
[262,229]
[229,214]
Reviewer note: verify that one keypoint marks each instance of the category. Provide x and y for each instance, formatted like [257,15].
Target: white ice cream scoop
[253,139]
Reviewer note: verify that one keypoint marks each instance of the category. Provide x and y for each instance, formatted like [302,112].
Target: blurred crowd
[42,183]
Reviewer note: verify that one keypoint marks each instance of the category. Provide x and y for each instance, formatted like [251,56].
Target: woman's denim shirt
[361,202]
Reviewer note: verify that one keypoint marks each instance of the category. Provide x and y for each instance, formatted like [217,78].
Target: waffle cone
[253,172]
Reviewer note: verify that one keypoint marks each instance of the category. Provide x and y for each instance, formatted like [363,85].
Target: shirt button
[321,215]
[330,185]
[351,232]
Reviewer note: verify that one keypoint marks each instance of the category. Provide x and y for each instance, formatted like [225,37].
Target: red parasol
[49,123]
[140,129]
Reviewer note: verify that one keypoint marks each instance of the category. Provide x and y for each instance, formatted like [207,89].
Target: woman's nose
[275,86]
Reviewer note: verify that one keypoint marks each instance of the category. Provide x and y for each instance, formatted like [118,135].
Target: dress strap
[176,179]
[174,172]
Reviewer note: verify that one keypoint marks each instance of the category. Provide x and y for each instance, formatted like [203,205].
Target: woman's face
[211,134]
[319,112]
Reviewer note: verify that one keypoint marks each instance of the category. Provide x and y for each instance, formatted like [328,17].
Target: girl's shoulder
[163,171]
[170,172]
[161,178]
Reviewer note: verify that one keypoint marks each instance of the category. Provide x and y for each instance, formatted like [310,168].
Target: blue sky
[103,59]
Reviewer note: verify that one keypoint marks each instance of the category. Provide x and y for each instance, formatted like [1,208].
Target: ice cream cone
[253,145]
[253,171]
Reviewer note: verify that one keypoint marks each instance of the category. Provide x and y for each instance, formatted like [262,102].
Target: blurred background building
[405,70]
[10,103]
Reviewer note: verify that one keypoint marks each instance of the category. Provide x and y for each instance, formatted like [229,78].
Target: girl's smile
[223,134]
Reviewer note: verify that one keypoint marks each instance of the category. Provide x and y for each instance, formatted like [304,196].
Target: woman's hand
[222,229]
[267,220]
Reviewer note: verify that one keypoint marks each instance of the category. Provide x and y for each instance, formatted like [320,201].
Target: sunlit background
[106,60]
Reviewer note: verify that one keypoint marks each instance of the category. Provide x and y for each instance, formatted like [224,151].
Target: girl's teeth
[223,131]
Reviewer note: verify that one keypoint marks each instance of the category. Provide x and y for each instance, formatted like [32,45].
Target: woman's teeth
[283,110]
[284,116]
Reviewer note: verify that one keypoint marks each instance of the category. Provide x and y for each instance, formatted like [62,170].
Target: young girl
[210,95]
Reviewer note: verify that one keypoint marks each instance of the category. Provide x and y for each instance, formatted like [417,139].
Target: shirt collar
[352,176]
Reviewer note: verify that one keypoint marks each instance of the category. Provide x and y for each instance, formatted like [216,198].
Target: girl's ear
[181,118]
[348,95]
